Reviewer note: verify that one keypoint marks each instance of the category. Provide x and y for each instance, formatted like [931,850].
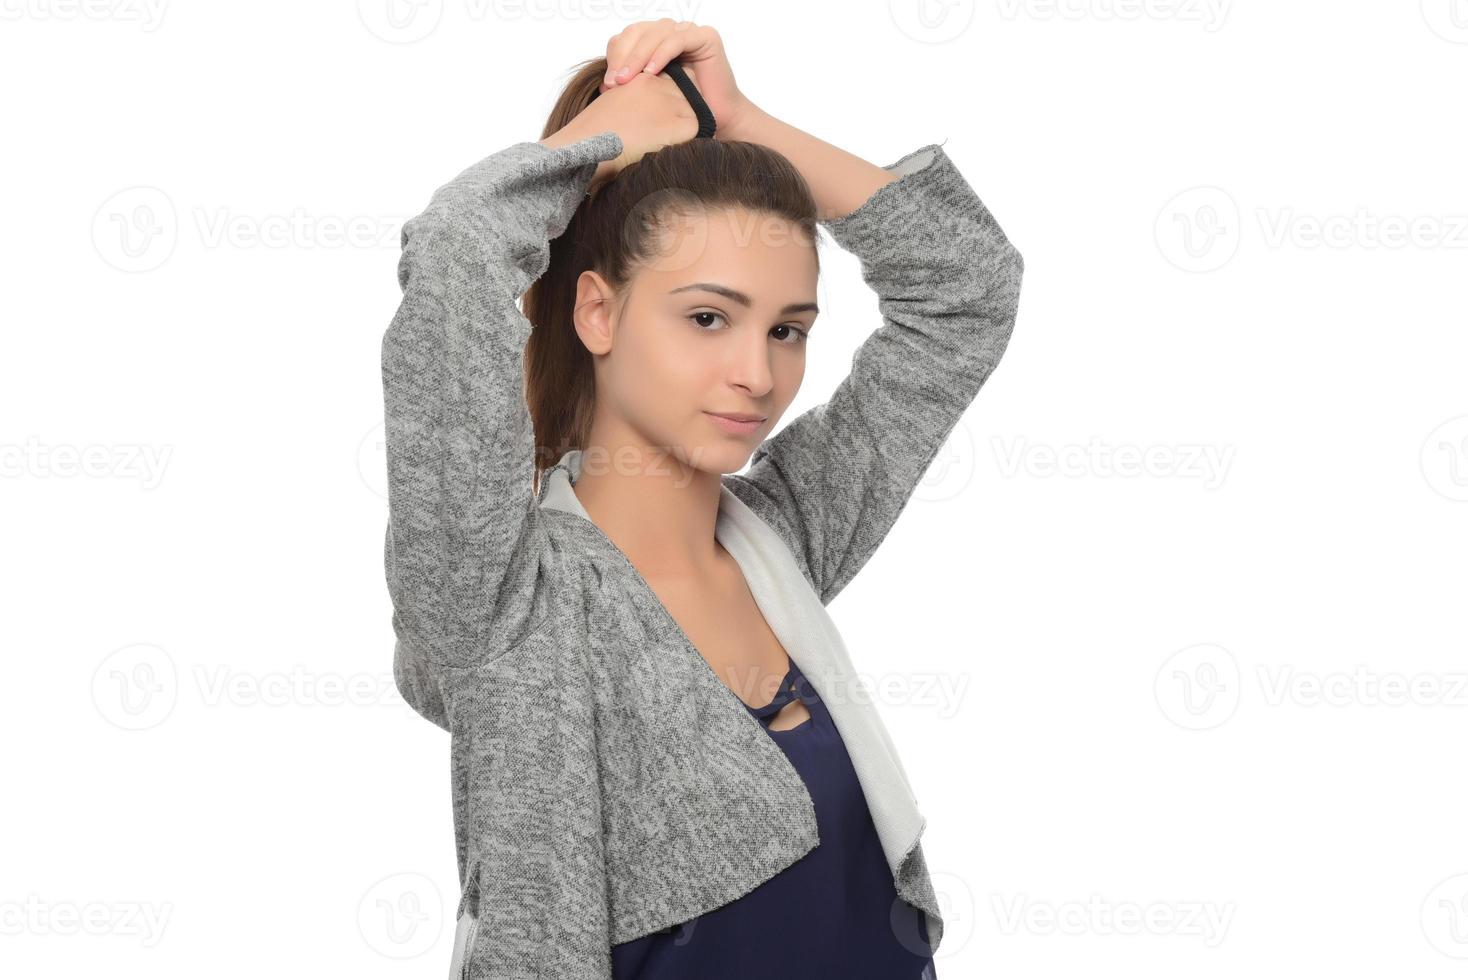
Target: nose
[749,363]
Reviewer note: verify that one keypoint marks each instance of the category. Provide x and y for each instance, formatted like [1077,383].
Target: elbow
[998,308]
[1007,276]
[1013,269]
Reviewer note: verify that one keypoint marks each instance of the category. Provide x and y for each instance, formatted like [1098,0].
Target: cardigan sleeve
[463,532]
[834,480]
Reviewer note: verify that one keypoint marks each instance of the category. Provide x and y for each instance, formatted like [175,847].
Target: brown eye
[800,336]
[704,326]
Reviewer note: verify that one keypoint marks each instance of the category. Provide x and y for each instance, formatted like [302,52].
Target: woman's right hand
[648,112]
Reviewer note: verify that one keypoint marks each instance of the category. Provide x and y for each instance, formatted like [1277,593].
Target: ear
[594,312]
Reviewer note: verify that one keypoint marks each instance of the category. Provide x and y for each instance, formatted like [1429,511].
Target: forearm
[840,181]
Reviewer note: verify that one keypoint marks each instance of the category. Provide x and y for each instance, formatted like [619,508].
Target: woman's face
[714,323]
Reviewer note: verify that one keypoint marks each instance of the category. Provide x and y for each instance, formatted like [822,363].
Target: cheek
[666,359]
[662,373]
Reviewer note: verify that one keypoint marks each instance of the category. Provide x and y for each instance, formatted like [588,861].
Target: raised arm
[835,479]
[463,534]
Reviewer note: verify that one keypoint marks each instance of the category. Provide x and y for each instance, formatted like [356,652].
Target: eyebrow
[742,298]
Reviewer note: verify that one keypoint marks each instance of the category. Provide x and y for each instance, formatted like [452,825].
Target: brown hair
[611,230]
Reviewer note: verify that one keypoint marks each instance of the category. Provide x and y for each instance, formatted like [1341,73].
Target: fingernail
[623,71]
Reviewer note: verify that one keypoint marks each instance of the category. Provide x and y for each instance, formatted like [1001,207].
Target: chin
[718,458]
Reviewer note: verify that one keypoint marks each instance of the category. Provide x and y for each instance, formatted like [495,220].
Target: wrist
[743,123]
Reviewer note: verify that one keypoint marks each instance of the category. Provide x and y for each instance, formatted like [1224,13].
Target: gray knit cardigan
[606,782]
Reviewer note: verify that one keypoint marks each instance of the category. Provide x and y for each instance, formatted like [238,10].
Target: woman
[663,765]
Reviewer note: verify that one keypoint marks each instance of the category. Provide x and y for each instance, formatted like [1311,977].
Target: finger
[647,42]
[620,50]
[682,37]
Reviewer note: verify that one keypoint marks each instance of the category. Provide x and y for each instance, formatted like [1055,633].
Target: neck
[657,509]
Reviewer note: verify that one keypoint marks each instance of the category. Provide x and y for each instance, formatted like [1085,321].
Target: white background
[1169,636]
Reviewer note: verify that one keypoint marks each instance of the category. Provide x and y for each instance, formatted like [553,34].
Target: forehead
[763,255]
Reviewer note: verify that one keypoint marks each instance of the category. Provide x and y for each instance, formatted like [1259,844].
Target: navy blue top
[833,913]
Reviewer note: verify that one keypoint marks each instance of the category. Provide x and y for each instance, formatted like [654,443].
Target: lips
[737,424]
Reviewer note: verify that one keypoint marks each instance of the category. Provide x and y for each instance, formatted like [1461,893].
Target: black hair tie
[674,70]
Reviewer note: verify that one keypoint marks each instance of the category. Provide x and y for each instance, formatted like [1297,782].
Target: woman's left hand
[649,45]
